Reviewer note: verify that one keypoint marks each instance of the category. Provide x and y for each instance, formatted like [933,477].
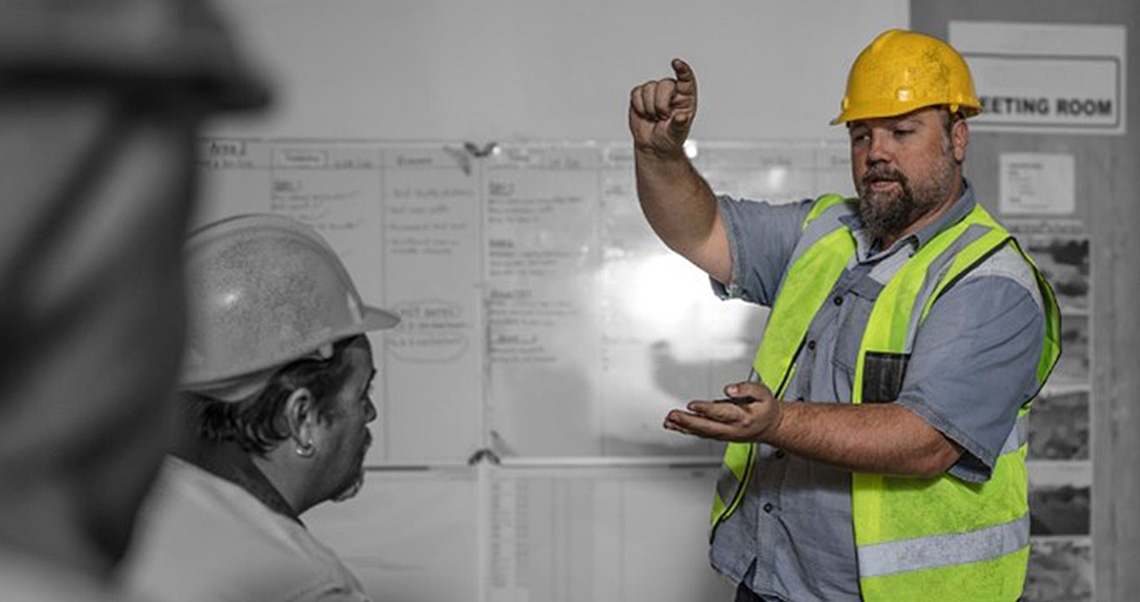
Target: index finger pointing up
[686,81]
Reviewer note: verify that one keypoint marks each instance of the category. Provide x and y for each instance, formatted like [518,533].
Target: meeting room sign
[1046,78]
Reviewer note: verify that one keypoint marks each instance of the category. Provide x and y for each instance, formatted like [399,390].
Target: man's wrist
[775,430]
[659,155]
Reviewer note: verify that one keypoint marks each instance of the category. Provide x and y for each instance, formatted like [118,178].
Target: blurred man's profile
[101,102]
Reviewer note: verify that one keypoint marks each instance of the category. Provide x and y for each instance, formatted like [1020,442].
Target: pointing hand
[661,112]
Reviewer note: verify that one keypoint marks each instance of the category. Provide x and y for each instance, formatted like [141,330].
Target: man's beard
[354,488]
[351,489]
[885,215]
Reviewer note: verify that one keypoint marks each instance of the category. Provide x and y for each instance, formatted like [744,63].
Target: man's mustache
[883,173]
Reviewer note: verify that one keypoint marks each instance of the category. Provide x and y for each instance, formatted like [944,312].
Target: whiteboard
[541,316]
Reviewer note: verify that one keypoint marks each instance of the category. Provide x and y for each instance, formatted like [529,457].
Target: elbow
[937,459]
[931,452]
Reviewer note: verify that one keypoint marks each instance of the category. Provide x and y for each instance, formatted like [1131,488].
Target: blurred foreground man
[276,396]
[880,454]
[100,105]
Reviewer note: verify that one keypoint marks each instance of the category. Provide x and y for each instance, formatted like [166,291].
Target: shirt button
[768,508]
[811,345]
[779,453]
[838,300]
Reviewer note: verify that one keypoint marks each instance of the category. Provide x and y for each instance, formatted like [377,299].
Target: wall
[518,69]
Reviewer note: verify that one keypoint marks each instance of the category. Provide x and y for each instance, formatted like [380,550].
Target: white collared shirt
[203,538]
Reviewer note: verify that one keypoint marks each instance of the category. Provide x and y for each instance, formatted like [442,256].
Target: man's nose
[369,411]
[877,151]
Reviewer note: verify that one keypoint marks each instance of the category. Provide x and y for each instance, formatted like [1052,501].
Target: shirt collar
[226,459]
[958,211]
[916,240]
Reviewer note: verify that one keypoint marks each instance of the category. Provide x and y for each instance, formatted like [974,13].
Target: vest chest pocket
[853,316]
[883,374]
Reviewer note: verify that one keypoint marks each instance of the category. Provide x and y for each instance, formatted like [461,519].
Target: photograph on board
[1059,569]
[1059,426]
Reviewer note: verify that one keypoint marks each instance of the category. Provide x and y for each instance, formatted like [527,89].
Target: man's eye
[902,133]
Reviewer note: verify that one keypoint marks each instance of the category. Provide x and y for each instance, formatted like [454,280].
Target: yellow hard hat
[265,290]
[901,71]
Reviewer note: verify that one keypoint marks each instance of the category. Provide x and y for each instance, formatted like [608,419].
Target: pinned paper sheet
[1033,183]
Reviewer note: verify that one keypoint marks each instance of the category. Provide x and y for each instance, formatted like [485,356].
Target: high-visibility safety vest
[917,538]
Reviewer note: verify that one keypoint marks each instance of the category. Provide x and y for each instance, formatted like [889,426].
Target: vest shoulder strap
[823,203]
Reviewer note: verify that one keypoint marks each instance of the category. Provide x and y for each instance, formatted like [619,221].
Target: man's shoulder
[184,487]
[1007,263]
[827,213]
[204,538]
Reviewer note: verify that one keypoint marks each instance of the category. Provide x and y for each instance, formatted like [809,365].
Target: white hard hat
[265,290]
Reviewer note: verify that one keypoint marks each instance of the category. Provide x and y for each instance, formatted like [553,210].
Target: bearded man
[880,452]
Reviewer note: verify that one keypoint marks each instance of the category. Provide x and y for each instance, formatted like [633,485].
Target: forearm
[884,438]
[682,209]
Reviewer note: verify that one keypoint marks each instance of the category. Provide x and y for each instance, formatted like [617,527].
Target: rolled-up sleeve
[973,365]
[761,238]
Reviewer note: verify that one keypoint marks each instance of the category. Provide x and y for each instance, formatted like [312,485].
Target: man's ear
[960,139]
[301,419]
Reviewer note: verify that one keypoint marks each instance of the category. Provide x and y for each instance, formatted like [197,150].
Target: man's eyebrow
[912,120]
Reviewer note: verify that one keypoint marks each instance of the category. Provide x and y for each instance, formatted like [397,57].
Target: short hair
[951,117]
[258,423]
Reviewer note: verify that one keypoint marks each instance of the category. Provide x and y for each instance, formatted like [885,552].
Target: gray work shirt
[973,365]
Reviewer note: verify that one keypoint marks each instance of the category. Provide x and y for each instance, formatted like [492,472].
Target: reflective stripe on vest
[944,550]
[975,546]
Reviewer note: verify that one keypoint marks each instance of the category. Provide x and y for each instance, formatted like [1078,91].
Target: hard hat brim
[375,318]
[240,386]
[967,110]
